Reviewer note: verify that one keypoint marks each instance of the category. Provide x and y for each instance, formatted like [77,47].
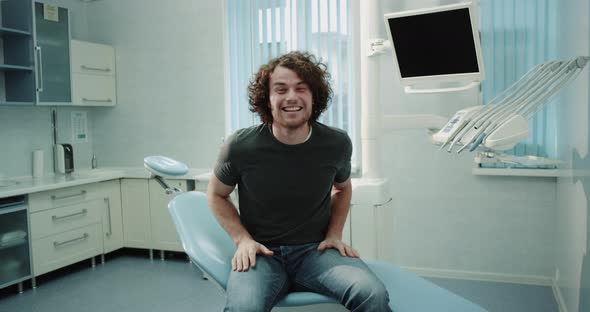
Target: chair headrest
[164,166]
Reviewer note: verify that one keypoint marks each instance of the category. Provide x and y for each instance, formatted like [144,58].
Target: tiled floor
[503,297]
[130,282]
[127,282]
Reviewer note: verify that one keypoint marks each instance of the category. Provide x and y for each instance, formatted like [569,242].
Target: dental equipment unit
[503,122]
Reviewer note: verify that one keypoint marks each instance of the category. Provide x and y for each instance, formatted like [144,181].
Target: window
[516,35]
[259,30]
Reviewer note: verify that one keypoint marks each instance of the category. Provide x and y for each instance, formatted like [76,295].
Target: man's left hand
[345,250]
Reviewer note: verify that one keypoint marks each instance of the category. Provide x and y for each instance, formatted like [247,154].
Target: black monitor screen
[431,44]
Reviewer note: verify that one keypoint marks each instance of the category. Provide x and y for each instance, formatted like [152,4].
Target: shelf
[518,172]
[13,243]
[6,67]
[11,31]
[28,276]
[13,209]
[6,103]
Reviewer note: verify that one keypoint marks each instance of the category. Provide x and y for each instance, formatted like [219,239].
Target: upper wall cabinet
[93,74]
[39,64]
[17,75]
[52,47]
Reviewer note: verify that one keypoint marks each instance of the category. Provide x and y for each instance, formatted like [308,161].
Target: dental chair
[211,249]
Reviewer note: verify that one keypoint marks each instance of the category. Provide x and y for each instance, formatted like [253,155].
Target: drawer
[57,220]
[63,249]
[63,197]
[93,90]
[92,58]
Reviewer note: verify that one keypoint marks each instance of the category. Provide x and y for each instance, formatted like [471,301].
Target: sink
[5,183]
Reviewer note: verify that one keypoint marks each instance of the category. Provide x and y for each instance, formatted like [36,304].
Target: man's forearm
[340,207]
[227,215]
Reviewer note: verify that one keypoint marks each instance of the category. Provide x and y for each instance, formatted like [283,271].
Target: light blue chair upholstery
[211,249]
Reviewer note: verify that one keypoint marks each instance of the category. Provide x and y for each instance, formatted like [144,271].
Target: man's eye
[281,90]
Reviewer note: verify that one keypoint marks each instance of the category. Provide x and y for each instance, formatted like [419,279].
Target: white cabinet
[112,218]
[371,229]
[61,219]
[93,74]
[135,199]
[74,223]
[62,197]
[92,58]
[65,227]
[56,251]
[163,229]
[147,223]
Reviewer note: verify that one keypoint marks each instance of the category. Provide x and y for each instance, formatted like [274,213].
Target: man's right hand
[245,256]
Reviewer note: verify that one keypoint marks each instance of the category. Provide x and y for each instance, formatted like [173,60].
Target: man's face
[290,99]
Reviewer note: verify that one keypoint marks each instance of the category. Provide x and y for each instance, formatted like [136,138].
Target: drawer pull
[56,218]
[108,201]
[69,241]
[103,69]
[82,193]
[97,100]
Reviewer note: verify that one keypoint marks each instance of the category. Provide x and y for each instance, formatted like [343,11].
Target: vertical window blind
[515,36]
[259,30]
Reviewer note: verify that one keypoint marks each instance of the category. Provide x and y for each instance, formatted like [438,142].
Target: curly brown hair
[313,72]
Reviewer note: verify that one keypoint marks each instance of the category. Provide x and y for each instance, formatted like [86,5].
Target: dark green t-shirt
[284,190]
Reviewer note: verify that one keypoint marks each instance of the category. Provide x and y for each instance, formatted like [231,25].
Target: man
[293,177]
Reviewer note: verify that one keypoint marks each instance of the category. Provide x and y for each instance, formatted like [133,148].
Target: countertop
[26,185]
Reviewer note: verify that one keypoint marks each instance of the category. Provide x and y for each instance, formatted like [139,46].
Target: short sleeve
[343,172]
[226,168]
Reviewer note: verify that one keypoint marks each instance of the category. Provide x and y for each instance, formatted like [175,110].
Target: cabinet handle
[40,67]
[73,240]
[56,218]
[105,69]
[97,100]
[383,204]
[82,193]
[108,201]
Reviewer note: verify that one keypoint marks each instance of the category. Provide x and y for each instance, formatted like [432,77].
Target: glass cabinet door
[52,55]
[15,258]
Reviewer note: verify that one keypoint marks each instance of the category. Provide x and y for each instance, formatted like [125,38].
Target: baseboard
[483,276]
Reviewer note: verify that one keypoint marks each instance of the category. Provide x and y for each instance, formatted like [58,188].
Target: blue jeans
[304,268]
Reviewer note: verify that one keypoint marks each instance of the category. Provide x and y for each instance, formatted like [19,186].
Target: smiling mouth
[292,108]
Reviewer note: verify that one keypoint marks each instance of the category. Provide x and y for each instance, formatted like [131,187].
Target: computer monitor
[438,44]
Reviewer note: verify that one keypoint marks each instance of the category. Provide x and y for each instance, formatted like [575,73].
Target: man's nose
[291,95]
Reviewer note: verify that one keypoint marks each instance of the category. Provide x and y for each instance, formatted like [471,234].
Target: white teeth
[292,109]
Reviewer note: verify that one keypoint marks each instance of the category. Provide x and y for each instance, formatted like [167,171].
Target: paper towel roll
[37,163]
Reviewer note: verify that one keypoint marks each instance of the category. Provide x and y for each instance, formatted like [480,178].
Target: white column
[371,18]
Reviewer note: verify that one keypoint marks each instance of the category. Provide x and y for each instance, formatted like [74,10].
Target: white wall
[446,220]
[573,192]
[170,87]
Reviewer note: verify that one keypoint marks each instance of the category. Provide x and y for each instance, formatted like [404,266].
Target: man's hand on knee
[345,250]
[245,256]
